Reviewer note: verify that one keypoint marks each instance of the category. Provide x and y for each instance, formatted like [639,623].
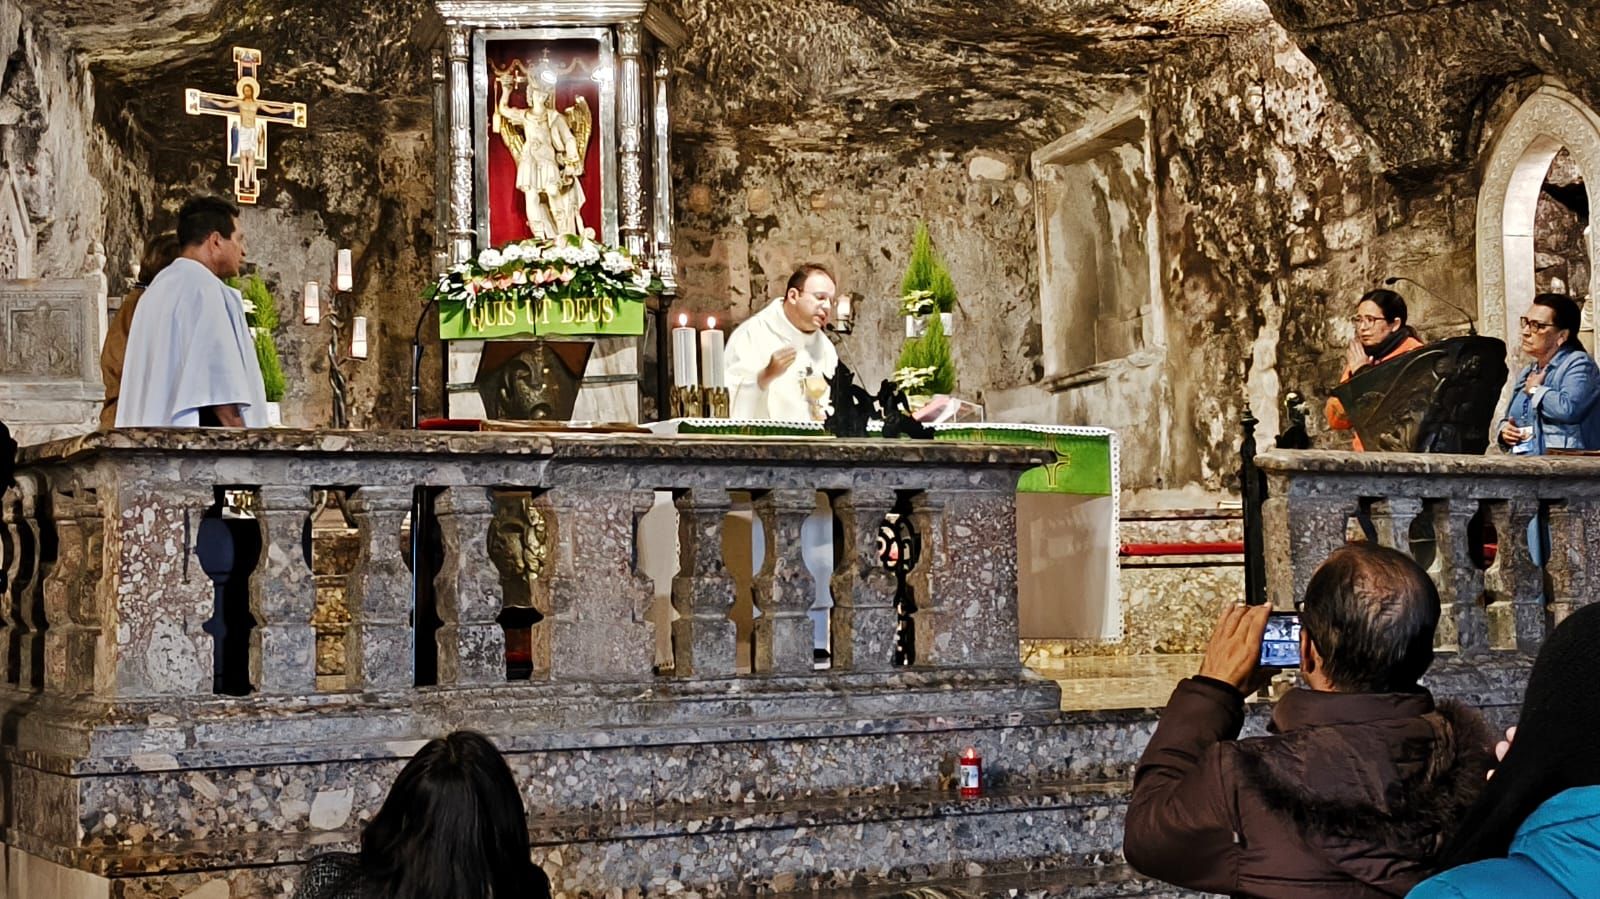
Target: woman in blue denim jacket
[1554,405]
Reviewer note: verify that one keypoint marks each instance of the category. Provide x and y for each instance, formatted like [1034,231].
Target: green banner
[494,318]
[1082,466]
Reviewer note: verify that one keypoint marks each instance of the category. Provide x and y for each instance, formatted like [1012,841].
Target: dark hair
[1371,612]
[452,827]
[1568,315]
[1557,745]
[1392,304]
[797,281]
[202,216]
[159,251]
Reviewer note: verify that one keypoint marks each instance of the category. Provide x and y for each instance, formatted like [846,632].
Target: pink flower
[567,275]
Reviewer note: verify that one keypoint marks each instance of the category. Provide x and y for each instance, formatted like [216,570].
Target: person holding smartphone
[1362,773]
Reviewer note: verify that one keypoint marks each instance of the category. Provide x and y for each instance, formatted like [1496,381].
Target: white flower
[616,263]
[249,307]
[491,258]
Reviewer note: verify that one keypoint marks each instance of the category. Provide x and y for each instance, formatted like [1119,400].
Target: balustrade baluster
[68,593]
[472,644]
[1300,532]
[599,603]
[784,589]
[378,640]
[863,589]
[21,567]
[35,507]
[1392,518]
[1461,623]
[283,596]
[966,580]
[1514,583]
[1568,548]
[703,636]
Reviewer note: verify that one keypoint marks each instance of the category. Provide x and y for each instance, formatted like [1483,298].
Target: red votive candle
[970,770]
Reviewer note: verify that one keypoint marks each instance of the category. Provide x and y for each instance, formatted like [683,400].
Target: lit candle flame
[711,323]
[683,320]
[971,753]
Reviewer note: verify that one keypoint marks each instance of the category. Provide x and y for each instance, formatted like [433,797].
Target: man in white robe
[774,353]
[191,358]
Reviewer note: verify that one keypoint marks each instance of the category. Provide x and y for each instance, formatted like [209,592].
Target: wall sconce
[358,337]
[311,303]
[843,319]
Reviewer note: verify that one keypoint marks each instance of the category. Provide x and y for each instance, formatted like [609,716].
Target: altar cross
[246,116]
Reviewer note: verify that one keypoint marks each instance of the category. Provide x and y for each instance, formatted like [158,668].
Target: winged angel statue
[549,147]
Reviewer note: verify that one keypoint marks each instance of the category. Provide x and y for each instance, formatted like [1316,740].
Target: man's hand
[228,415]
[1235,646]
[1355,355]
[777,365]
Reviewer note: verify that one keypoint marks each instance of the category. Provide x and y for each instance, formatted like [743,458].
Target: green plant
[931,351]
[926,272]
[261,311]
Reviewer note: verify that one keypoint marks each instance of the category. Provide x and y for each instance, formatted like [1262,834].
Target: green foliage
[927,272]
[931,350]
[263,322]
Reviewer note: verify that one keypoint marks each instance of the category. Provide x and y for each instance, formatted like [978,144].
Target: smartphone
[1280,645]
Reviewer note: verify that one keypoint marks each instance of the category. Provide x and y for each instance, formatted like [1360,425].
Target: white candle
[358,337]
[312,302]
[711,374]
[343,280]
[685,366]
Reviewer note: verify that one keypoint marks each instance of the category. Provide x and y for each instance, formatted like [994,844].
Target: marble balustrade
[1443,510]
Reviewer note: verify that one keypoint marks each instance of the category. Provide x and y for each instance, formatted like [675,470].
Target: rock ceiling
[899,75]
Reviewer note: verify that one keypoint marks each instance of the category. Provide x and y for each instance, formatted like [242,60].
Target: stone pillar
[378,640]
[1392,518]
[1462,624]
[28,592]
[599,604]
[1514,583]
[461,230]
[69,594]
[863,589]
[162,597]
[1300,532]
[703,637]
[966,580]
[472,644]
[630,133]
[283,596]
[784,590]
[1568,548]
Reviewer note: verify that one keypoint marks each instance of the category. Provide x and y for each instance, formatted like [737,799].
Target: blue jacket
[1556,853]
[1563,411]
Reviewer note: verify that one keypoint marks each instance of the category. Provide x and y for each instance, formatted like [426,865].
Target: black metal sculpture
[853,406]
[897,419]
[1294,434]
[1437,399]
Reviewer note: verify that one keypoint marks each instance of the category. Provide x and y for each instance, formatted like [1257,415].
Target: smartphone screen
[1280,645]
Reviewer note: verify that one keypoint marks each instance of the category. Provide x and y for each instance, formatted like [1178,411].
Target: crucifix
[246,116]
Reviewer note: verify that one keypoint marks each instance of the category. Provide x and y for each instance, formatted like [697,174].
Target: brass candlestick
[686,402]
[716,401]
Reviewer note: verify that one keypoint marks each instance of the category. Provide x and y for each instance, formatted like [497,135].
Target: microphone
[1472,325]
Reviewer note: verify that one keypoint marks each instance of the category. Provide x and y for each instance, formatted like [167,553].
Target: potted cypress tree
[261,310]
[926,287]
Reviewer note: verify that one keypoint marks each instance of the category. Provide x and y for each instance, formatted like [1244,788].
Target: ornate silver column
[630,128]
[461,230]
[665,265]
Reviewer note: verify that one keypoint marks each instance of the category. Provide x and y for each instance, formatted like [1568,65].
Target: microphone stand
[424,604]
[416,361]
[1472,325]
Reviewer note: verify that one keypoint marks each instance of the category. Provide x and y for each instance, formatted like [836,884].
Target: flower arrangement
[925,365]
[573,266]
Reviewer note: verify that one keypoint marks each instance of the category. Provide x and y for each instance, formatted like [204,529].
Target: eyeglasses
[1529,324]
[1366,321]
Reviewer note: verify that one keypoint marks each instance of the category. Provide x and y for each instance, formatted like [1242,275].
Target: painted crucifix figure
[246,115]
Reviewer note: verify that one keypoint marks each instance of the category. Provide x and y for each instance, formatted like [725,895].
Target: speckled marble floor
[1117,682]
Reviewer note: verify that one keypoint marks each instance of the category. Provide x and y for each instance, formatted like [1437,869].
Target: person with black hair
[452,827]
[1362,773]
[1381,334]
[1535,831]
[191,358]
[1554,405]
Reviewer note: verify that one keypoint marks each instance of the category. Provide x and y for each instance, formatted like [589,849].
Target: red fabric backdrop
[507,221]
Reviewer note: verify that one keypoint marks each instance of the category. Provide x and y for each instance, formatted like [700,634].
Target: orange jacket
[1337,419]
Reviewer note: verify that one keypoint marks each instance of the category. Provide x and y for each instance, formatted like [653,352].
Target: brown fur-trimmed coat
[1351,796]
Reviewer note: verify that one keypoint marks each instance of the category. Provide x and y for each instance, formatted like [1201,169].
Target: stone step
[1110,880]
[719,850]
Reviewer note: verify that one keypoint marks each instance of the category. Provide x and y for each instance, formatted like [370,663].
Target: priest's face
[809,307]
[227,253]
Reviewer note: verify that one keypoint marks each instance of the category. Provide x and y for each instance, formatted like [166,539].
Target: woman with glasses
[1554,404]
[1381,335]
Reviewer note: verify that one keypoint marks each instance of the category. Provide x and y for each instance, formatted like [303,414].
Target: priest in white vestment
[191,358]
[777,359]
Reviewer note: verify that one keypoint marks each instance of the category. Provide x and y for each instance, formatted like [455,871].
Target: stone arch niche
[1550,120]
